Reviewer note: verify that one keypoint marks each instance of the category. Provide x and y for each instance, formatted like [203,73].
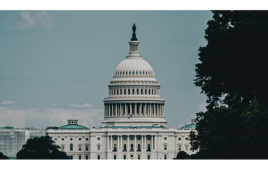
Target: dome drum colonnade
[134,93]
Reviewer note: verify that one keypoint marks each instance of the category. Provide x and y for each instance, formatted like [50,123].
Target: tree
[2,156]
[182,155]
[232,73]
[233,63]
[41,148]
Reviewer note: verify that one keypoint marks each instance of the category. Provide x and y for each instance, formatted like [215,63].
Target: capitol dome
[134,93]
[134,67]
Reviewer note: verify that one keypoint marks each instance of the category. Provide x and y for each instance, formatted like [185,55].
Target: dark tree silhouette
[182,155]
[41,148]
[232,73]
[2,156]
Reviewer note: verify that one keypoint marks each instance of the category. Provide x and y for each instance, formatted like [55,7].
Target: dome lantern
[134,44]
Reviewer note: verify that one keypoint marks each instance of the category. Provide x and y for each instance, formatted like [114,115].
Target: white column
[148,111]
[108,110]
[162,114]
[135,109]
[111,142]
[142,143]
[121,143]
[128,143]
[145,143]
[130,108]
[121,110]
[108,142]
[112,109]
[135,147]
[140,112]
[117,143]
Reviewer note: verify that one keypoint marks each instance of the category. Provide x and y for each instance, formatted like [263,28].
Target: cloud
[52,116]
[7,102]
[34,19]
[85,105]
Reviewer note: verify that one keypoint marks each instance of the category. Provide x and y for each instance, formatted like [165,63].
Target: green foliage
[233,63]
[2,156]
[41,148]
[232,73]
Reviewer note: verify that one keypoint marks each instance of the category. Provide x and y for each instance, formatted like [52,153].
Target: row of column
[119,142]
[133,91]
[134,109]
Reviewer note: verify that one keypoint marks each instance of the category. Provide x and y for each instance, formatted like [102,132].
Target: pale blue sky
[56,65]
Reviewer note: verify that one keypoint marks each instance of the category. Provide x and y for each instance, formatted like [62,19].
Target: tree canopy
[232,73]
[182,155]
[2,156]
[41,148]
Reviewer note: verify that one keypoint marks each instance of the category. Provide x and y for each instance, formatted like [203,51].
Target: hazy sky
[56,65]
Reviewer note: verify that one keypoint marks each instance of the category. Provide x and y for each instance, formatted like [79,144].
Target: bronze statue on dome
[134,38]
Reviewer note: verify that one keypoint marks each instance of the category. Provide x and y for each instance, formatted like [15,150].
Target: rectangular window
[114,156]
[139,157]
[79,157]
[86,156]
[71,147]
[165,147]
[98,138]
[148,156]
[131,147]
[98,147]
[115,148]
[98,157]
[125,148]
[165,156]
[86,138]
[79,147]
[62,147]
[139,148]
[148,148]
[86,147]
[125,157]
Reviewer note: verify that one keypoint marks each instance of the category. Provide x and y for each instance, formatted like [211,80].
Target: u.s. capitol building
[134,125]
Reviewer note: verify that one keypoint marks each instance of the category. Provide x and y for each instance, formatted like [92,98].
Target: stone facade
[134,125]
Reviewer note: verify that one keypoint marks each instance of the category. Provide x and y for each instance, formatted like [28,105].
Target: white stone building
[134,125]
[12,139]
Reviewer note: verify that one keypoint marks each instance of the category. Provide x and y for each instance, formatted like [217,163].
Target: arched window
[141,91]
[117,91]
[137,91]
[133,91]
[149,91]
[128,91]
[71,147]
[145,91]
[125,91]
[120,91]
